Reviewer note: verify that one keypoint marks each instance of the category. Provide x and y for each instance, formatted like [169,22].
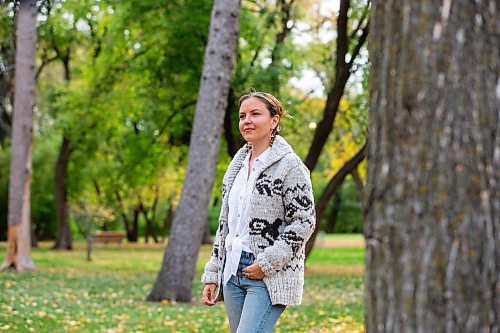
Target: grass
[69,294]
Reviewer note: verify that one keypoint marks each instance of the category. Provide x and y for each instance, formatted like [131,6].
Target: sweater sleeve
[210,273]
[300,219]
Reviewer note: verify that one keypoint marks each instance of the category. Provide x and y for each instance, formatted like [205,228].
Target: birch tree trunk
[19,216]
[432,222]
[176,274]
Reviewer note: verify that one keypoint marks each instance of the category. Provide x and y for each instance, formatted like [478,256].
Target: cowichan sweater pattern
[282,218]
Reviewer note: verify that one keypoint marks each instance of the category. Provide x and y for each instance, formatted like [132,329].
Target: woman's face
[256,123]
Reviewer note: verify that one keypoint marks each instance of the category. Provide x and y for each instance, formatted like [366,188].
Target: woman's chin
[248,137]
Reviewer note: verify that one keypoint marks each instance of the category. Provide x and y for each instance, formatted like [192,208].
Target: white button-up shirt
[238,238]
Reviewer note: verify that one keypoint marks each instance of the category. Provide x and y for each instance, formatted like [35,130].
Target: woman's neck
[258,148]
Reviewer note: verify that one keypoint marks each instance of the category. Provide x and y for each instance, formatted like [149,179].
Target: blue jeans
[249,308]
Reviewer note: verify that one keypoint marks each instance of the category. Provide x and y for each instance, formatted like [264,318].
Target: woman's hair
[272,103]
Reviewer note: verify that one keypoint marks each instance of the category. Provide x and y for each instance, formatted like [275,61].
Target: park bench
[108,237]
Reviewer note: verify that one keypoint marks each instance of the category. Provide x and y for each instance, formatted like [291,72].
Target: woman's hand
[209,294]
[253,271]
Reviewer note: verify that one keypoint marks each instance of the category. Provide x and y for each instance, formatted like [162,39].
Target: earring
[273,137]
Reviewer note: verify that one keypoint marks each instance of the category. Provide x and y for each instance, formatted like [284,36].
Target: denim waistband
[247,255]
[246,260]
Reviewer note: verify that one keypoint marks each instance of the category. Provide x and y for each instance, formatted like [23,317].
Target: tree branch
[44,63]
[359,45]
[342,39]
[331,189]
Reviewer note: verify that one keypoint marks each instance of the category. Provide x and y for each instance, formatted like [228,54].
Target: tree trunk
[133,232]
[359,184]
[207,235]
[233,143]
[167,223]
[130,228]
[149,224]
[332,219]
[284,14]
[63,235]
[19,216]
[432,217]
[331,189]
[175,277]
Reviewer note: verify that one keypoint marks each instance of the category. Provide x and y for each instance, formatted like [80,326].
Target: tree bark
[432,217]
[149,222]
[63,236]
[133,232]
[175,277]
[332,219]
[233,142]
[331,189]
[284,14]
[130,228]
[169,217]
[359,184]
[19,216]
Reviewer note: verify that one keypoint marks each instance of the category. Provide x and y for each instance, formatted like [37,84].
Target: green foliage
[107,294]
[43,212]
[128,100]
[350,214]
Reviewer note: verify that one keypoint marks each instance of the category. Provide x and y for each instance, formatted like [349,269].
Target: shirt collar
[261,159]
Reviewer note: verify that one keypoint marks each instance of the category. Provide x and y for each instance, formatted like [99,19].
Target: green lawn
[69,294]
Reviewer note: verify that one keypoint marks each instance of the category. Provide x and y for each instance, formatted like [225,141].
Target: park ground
[68,294]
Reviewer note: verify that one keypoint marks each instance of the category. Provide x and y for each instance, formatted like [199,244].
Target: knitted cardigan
[282,218]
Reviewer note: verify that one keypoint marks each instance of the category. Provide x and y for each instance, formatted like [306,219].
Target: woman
[267,215]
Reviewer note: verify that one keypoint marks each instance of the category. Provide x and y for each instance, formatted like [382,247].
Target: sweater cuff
[209,277]
[265,265]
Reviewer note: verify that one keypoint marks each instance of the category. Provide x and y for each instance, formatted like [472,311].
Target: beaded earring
[275,131]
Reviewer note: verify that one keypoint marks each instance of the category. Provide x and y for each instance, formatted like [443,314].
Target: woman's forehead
[252,103]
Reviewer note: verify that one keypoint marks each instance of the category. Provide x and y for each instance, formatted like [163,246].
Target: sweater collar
[279,149]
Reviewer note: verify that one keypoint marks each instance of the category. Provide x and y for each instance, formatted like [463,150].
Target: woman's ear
[275,121]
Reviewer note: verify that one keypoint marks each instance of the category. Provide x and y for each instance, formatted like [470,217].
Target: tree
[64,237]
[333,186]
[175,277]
[432,219]
[19,217]
[343,70]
